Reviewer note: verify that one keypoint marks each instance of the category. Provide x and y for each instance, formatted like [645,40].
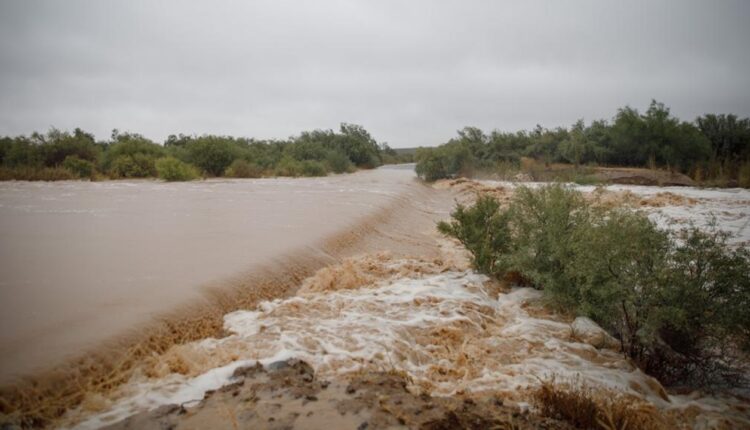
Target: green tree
[729,135]
[213,154]
[359,146]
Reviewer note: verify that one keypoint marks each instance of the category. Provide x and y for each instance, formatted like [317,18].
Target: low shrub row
[713,149]
[126,155]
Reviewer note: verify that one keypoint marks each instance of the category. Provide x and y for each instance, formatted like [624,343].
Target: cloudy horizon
[412,73]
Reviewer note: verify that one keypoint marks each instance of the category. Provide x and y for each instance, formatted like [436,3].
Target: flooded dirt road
[81,262]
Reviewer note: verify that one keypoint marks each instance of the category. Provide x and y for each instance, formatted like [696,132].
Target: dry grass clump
[28,173]
[474,188]
[667,199]
[586,408]
[357,272]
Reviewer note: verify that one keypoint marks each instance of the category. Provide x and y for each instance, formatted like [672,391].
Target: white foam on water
[727,208]
[446,331]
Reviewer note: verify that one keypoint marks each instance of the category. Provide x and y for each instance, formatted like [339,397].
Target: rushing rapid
[81,262]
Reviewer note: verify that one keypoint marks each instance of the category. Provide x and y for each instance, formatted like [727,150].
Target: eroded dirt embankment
[404,226]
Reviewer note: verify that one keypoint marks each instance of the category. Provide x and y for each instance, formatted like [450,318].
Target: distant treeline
[712,149]
[64,155]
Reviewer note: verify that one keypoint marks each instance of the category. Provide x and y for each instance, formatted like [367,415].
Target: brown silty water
[84,262]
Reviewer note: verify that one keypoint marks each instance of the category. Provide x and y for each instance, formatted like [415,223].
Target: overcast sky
[411,72]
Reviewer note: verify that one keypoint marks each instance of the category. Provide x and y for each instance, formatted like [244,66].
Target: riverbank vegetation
[59,155]
[712,150]
[676,304]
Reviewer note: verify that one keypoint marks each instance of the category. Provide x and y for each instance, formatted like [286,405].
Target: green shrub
[545,222]
[288,166]
[338,162]
[81,168]
[358,145]
[133,166]
[483,229]
[59,145]
[212,154]
[172,169]
[313,168]
[243,169]
[131,145]
[22,152]
[430,166]
[678,306]
[446,161]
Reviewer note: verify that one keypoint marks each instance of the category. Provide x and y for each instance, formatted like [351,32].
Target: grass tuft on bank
[586,408]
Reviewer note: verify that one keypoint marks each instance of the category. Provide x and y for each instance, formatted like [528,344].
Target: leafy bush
[58,146]
[358,145]
[133,166]
[678,307]
[313,168]
[242,169]
[288,166]
[81,168]
[171,169]
[212,154]
[129,144]
[338,162]
[22,151]
[483,229]
[430,165]
[449,160]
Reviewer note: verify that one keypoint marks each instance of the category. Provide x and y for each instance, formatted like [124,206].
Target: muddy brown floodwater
[81,262]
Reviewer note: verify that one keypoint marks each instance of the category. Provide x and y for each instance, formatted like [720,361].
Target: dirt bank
[288,395]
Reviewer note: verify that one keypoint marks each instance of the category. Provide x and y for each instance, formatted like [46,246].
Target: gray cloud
[411,72]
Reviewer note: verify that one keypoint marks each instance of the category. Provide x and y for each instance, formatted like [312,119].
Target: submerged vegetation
[713,150]
[677,305]
[63,155]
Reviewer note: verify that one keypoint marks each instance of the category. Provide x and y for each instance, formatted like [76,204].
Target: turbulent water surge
[445,327]
[81,262]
